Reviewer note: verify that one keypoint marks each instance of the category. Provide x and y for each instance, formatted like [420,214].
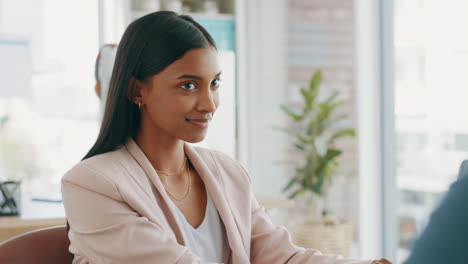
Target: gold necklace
[188,188]
[177,172]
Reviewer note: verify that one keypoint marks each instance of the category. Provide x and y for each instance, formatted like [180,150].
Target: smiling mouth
[202,123]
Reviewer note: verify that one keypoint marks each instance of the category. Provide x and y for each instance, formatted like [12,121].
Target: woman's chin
[195,139]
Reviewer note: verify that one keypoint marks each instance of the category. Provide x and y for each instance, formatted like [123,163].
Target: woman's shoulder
[102,167]
[203,151]
[216,155]
[223,161]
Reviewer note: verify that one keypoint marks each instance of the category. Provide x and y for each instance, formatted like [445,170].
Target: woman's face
[180,101]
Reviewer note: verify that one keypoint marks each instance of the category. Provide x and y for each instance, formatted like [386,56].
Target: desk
[33,215]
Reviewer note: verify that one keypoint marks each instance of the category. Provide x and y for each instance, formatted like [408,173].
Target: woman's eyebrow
[191,76]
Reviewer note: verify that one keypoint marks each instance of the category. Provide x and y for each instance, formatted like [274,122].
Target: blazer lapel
[205,167]
[134,169]
[151,173]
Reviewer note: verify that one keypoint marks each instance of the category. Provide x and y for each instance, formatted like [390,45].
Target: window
[431,57]
[52,124]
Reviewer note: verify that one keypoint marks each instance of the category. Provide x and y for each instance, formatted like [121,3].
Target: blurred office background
[401,63]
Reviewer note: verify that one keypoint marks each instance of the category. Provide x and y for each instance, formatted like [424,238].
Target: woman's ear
[134,91]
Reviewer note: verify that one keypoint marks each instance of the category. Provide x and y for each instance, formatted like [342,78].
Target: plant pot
[10,198]
[330,237]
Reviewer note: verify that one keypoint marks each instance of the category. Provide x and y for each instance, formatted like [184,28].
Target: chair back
[46,245]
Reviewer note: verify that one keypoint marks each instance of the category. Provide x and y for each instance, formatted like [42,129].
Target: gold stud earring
[139,105]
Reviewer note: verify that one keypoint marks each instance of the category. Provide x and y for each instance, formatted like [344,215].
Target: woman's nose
[208,101]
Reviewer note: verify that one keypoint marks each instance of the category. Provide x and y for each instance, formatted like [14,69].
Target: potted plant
[314,130]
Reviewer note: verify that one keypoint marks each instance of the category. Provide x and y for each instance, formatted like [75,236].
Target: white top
[208,241]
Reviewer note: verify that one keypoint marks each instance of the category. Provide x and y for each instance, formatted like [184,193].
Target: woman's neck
[164,152]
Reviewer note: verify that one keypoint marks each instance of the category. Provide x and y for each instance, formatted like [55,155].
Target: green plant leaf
[340,117]
[334,105]
[322,115]
[329,157]
[303,139]
[334,121]
[299,170]
[330,123]
[331,103]
[331,98]
[315,84]
[290,184]
[294,194]
[307,99]
[300,147]
[331,154]
[313,129]
[329,170]
[342,133]
[318,185]
[297,117]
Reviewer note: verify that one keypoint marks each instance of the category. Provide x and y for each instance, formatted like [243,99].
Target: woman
[142,194]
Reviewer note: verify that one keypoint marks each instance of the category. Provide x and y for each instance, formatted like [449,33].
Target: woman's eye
[188,86]
[215,83]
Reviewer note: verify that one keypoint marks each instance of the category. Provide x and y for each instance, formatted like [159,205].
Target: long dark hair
[148,46]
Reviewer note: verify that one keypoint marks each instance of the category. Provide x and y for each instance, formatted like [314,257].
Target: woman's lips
[202,123]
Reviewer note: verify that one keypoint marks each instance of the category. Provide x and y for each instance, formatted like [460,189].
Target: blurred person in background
[103,72]
[445,238]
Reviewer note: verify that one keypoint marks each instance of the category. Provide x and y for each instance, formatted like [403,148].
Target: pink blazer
[119,213]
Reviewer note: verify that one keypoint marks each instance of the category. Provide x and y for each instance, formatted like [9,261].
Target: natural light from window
[51,124]
[431,113]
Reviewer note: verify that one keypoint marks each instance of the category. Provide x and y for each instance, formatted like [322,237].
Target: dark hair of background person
[148,46]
